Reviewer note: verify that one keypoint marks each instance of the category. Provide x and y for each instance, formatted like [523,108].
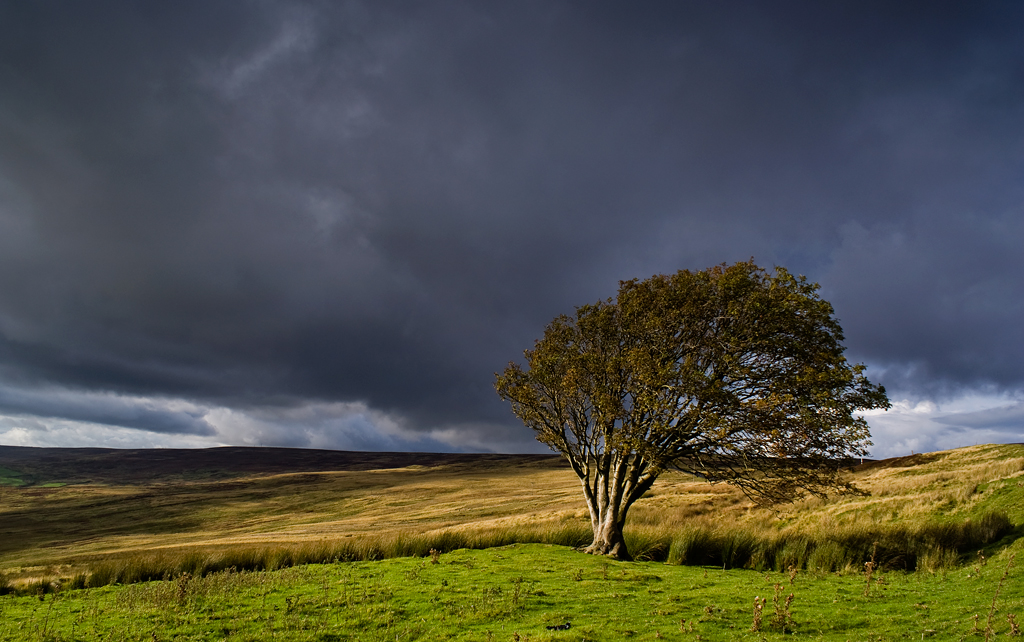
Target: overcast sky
[327,224]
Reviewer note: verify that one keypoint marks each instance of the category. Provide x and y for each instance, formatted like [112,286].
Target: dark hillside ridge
[29,466]
[906,461]
[154,465]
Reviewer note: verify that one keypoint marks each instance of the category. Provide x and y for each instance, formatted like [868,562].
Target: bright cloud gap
[120,421]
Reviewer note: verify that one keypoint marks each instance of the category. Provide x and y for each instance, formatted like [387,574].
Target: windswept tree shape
[732,373]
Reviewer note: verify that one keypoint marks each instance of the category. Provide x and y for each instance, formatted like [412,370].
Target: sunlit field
[465,547]
[519,592]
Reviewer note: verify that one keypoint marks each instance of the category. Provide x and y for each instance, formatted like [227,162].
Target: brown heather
[925,512]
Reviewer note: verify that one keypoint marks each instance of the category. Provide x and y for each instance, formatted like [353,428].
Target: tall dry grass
[924,514]
[925,546]
[930,546]
[199,562]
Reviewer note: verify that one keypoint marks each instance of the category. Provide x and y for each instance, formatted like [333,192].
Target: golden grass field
[70,508]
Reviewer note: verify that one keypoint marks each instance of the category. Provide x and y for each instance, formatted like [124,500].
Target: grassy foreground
[515,593]
[112,549]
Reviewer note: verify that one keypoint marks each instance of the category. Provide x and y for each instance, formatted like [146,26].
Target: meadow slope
[65,511]
[519,592]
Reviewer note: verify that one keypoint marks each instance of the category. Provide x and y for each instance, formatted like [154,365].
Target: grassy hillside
[65,511]
[85,504]
[516,593]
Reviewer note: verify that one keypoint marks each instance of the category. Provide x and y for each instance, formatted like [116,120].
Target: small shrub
[517,590]
[39,587]
[448,541]
[182,588]
[100,575]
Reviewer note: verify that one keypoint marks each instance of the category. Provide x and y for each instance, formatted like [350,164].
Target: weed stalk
[758,608]
[999,587]
[782,618]
[869,570]
[1014,627]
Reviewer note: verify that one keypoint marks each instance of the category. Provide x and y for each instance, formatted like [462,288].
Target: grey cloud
[1003,418]
[925,426]
[277,205]
[111,410]
[936,302]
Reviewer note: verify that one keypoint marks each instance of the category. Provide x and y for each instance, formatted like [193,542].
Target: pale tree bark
[611,484]
[608,537]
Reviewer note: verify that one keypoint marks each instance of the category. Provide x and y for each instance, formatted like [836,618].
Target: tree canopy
[733,373]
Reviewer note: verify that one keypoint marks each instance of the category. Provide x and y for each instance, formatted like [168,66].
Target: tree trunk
[608,538]
[615,485]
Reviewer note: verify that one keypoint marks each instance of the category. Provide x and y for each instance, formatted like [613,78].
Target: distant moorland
[71,509]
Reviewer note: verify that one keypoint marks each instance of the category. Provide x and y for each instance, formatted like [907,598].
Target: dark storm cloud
[1004,418]
[105,409]
[269,205]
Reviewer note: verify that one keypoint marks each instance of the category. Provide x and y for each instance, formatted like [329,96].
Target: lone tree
[733,374]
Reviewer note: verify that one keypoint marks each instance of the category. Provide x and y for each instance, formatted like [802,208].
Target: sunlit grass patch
[517,592]
[9,477]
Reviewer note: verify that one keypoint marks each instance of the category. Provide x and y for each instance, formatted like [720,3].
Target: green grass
[9,477]
[238,556]
[513,593]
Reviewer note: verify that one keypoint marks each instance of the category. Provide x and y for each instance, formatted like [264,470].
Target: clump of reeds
[646,544]
[199,562]
[930,545]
